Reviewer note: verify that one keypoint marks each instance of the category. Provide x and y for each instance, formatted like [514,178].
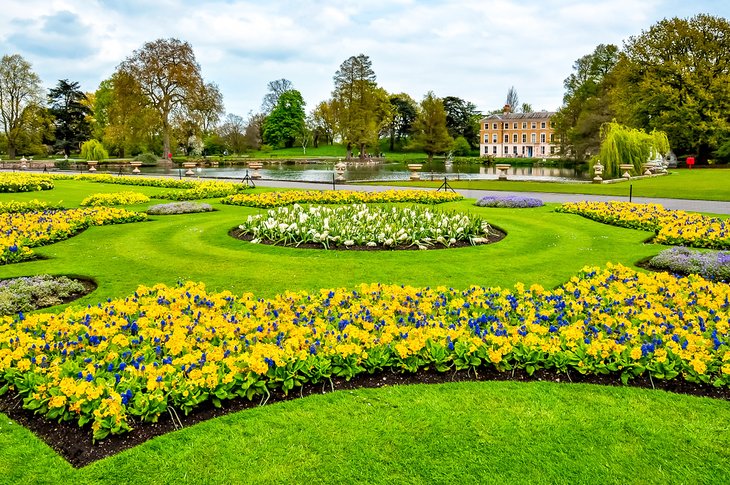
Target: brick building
[529,135]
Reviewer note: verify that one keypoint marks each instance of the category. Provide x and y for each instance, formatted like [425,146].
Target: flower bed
[673,227]
[512,201]
[30,293]
[19,232]
[115,198]
[203,190]
[281,198]
[179,208]
[24,182]
[164,182]
[135,357]
[362,225]
[31,206]
[681,260]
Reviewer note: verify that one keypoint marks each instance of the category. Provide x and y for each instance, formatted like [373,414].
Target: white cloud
[474,49]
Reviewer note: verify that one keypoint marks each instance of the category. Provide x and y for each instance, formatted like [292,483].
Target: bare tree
[276,89]
[512,99]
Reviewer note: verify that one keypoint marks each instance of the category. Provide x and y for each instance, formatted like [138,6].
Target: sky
[472,49]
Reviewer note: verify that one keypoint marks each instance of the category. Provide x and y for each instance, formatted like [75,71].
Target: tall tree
[71,115]
[20,95]
[404,112]
[462,119]
[586,103]
[255,129]
[207,108]
[233,133]
[513,101]
[675,77]
[430,129]
[360,104]
[169,77]
[275,90]
[322,123]
[286,121]
[128,123]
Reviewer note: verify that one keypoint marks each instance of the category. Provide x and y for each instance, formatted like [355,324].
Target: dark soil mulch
[494,236]
[76,445]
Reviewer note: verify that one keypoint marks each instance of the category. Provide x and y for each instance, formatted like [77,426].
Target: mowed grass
[695,184]
[479,432]
[473,432]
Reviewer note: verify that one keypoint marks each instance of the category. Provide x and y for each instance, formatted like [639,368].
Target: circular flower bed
[365,226]
[29,293]
[179,208]
[512,201]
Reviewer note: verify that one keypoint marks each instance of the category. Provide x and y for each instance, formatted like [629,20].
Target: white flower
[349,242]
[371,244]
[255,241]
[452,240]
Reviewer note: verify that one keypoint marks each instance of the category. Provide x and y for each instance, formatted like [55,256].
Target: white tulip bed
[362,225]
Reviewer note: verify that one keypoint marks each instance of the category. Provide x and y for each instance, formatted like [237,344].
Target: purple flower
[511,201]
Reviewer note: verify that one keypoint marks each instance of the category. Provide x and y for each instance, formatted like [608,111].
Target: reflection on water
[324,172]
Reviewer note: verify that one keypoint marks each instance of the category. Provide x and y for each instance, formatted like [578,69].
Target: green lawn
[697,184]
[466,432]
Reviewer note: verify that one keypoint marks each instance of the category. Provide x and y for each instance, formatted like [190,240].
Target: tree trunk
[430,157]
[392,140]
[362,151]
[349,150]
[11,151]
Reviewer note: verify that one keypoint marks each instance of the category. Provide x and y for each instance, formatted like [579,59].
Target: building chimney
[507,109]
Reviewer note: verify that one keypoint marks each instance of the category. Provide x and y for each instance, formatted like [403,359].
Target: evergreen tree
[71,116]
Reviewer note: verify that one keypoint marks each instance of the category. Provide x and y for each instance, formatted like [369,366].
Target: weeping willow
[621,144]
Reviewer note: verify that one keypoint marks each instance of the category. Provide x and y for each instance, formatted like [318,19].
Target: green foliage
[462,120]
[286,121]
[147,158]
[93,150]
[674,77]
[621,144]
[70,110]
[430,129]
[461,147]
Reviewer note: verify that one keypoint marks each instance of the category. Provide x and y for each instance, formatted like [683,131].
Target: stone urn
[189,166]
[598,171]
[414,168]
[255,167]
[626,168]
[502,170]
[135,166]
[340,170]
[23,163]
[92,165]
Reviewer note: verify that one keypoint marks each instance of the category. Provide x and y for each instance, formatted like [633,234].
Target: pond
[387,171]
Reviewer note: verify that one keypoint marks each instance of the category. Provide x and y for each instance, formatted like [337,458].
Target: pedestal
[135,167]
[414,168]
[626,169]
[502,170]
[92,165]
[189,166]
[255,167]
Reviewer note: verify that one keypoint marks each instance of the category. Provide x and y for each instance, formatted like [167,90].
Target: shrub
[713,265]
[147,158]
[14,207]
[30,293]
[179,208]
[514,201]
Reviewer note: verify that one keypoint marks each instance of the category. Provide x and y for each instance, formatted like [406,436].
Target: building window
[515,150]
[514,138]
[524,125]
[533,138]
[523,150]
[542,149]
[486,137]
[542,137]
[506,126]
[514,125]
[542,125]
[494,138]
[506,138]
[524,138]
[552,150]
[534,125]
[494,149]
[494,126]
[486,126]
[552,137]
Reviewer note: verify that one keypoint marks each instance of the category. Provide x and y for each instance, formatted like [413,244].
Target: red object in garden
[690,161]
